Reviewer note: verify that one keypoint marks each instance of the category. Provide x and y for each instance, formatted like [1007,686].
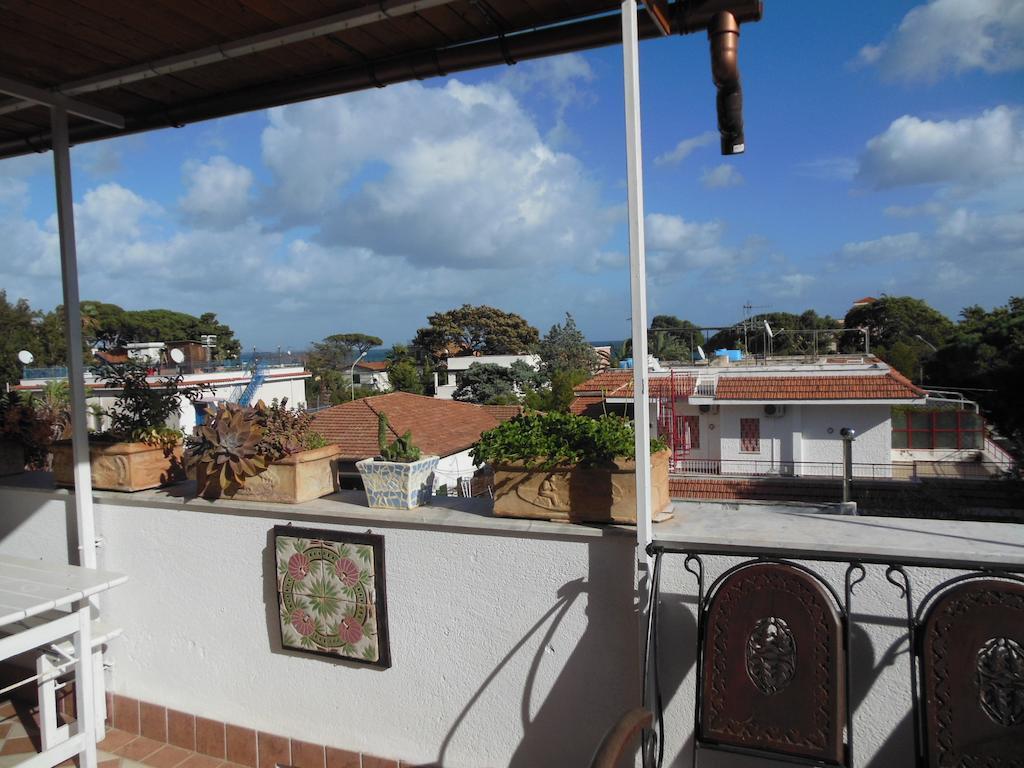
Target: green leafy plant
[21,423]
[241,442]
[547,440]
[141,411]
[401,450]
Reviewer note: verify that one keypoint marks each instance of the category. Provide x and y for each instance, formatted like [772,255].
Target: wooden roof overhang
[164,63]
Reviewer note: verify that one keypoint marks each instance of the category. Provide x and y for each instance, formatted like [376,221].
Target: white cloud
[474,186]
[685,148]
[218,193]
[951,36]
[907,245]
[971,151]
[721,177]
[673,243]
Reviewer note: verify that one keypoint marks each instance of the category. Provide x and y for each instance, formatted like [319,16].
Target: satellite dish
[700,351]
[26,357]
[177,356]
[769,329]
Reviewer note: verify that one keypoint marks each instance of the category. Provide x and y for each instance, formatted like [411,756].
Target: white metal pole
[637,275]
[73,333]
[638,300]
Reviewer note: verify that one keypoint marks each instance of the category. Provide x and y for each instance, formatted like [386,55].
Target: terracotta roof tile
[619,383]
[587,405]
[440,427]
[372,365]
[503,412]
[888,386]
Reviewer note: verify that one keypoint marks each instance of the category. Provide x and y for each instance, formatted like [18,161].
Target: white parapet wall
[514,643]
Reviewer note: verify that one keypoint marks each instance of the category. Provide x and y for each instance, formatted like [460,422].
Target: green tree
[490,384]
[676,339]
[985,352]
[792,335]
[558,396]
[403,377]
[482,329]
[17,332]
[358,343]
[897,318]
[564,348]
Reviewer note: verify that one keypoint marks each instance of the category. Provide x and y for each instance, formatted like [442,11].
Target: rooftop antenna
[746,324]
[700,351]
[25,357]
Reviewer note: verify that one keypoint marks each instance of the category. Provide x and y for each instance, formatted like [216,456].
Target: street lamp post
[351,377]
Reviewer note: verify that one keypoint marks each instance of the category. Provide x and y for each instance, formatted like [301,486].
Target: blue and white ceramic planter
[397,485]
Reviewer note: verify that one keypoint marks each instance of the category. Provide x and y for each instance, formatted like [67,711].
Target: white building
[446,382]
[784,417]
[228,385]
[372,374]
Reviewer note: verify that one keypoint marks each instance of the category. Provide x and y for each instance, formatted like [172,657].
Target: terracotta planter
[398,485]
[12,457]
[303,476]
[603,494]
[121,466]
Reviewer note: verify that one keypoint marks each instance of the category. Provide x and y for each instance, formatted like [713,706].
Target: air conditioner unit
[774,410]
[706,408]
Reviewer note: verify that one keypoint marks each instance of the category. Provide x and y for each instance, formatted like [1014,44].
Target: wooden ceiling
[137,58]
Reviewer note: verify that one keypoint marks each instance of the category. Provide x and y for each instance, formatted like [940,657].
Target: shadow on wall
[599,679]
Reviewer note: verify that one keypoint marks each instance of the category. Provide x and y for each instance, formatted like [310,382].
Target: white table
[40,604]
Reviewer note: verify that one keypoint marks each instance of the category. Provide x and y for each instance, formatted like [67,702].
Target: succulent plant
[401,450]
[241,441]
[228,448]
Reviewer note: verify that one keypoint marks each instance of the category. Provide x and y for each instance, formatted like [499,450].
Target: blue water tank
[626,362]
[721,353]
[734,355]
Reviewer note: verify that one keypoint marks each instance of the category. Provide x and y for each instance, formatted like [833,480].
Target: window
[938,430]
[693,424]
[357,378]
[750,435]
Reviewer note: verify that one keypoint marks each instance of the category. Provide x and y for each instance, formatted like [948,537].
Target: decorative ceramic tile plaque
[330,588]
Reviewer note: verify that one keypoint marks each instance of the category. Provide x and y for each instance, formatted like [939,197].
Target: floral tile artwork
[330,588]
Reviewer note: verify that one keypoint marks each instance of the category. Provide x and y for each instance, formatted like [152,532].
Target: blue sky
[885,153]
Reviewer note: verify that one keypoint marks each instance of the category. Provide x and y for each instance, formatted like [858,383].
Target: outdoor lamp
[724,34]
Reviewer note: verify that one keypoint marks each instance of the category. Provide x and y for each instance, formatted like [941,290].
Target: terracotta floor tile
[112,763]
[114,739]
[167,756]
[369,761]
[201,761]
[138,748]
[19,746]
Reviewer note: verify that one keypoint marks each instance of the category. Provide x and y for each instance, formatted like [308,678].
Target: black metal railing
[985,599]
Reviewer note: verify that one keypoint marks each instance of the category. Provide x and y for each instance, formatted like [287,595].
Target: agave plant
[228,448]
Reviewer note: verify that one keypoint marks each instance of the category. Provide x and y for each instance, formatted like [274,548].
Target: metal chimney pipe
[724,34]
